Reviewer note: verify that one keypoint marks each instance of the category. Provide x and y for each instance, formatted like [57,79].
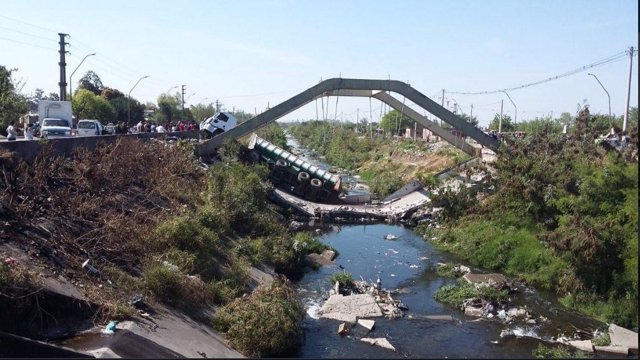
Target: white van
[89,128]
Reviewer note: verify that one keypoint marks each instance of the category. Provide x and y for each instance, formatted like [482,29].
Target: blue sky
[250,54]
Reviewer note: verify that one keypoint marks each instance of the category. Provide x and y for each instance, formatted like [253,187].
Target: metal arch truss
[365,88]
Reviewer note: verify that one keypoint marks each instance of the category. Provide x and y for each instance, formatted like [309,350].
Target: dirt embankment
[76,230]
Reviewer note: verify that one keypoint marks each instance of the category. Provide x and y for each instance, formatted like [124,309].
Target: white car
[89,128]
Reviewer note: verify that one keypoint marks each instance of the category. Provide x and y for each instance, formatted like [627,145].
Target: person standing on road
[12,134]
[28,132]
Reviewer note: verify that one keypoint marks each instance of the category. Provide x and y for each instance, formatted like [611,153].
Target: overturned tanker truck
[296,175]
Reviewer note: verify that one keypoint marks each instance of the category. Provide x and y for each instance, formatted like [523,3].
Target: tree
[91,81]
[169,107]
[125,107]
[12,104]
[202,111]
[111,93]
[394,122]
[507,125]
[38,94]
[87,105]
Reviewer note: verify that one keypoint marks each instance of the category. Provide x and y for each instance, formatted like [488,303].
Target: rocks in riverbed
[367,324]
[347,308]
[623,337]
[382,342]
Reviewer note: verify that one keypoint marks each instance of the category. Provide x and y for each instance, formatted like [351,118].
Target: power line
[607,60]
[28,44]
[25,33]
[26,23]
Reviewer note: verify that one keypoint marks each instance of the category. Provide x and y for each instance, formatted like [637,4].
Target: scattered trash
[414,266]
[170,266]
[10,261]
[87,266]
[110,329]
[391,237]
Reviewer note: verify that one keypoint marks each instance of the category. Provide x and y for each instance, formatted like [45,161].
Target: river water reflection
[408,264]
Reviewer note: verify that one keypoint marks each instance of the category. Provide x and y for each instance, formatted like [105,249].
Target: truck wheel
[254,156]
[303,176]
[316,183]
[281,163]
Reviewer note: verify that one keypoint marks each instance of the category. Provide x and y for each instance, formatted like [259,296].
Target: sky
[253,54]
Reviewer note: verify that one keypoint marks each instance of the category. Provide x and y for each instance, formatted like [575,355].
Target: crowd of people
[146,126]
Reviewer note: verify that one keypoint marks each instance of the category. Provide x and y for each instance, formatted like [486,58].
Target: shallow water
[408,264]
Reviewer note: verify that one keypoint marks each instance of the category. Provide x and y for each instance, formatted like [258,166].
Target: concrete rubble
[349,308]
[623,337]
[343,329]
[382,342]
[582,345]
[497,281]
[367,324]
[612,350]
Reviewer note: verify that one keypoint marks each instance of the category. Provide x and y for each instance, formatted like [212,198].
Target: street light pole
[515,115]
[605,90]
[171,88]
[74,71]
[129,99]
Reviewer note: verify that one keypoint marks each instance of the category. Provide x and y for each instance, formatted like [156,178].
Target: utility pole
[182,112]
[471,111]
[63,67]
[626,109]
[217,106]
[357,118]
[500,122]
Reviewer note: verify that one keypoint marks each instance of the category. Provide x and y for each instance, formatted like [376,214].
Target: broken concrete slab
[347,308]
[343,329]
[318,260]
[473,311]
[623,337]
[382,342]
[328,254]
[367,324]
[612,350]
[430,317]
[582,345]
[489,279]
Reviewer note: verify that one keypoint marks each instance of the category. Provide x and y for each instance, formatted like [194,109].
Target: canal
[407,264]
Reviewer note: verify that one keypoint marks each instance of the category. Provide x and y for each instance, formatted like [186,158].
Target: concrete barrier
[28,150]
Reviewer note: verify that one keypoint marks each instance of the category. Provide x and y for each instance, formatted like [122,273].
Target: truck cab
[217,124]
[55,128]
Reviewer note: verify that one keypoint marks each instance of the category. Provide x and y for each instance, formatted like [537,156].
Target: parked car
[89,127]
[109,129]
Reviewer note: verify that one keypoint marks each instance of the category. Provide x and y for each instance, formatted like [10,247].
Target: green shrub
[447,270]
[343,278]
[163,282]
[557,352]
[456,294]
[265,323]
[602,340]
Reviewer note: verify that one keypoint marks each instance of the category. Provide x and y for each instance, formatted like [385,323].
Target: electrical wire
[607,60]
